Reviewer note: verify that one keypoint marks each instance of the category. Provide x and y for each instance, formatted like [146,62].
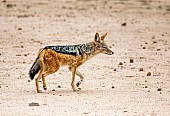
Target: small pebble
[154,41]
[113,87]
[29,81]
[144,47]
[34,104]
[140,69]
[53,90]
[19,28]
[123,24]
[131,61]
[120,63]
[114,69]
[4,1]
[149,74]
[9,5]
[59,86]
[159,89]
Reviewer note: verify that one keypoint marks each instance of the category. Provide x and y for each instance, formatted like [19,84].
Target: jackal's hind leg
[46,73]
[37,80]
[43,79]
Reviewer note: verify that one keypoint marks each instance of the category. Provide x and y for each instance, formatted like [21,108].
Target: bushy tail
[34,69]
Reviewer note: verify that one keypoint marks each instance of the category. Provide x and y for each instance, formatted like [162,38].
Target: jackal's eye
[98,46]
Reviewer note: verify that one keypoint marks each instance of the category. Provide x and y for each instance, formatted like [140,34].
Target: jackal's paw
[76,90]
[77,84]
[45,88]
[39,91]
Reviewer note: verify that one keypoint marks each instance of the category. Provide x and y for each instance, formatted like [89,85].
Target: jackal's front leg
[73,70]
[80,75]
[81,78]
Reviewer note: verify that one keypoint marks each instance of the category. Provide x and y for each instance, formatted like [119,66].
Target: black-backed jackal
[51,58]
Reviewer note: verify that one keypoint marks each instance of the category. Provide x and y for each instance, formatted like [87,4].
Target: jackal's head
[101,46]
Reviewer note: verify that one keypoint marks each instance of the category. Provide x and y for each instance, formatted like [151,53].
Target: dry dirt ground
[138,30]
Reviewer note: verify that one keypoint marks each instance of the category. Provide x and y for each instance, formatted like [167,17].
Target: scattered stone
[34,104]
[131,61]
[29,81]
[123,24]
[159,89]
[154,41]
[60,95]
[10,5]
[158,49]
[59,86]
[144,48]
[18,54]
[0,86]
[146,86]
[4,1]
[153,37]
[86,112]
[113,87]
[140,69]
[53,90]
[114,69]
[19,28]
[120,63]
[149,74]
[142,57]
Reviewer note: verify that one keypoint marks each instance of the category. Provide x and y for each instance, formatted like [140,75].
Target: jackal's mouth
[109,53]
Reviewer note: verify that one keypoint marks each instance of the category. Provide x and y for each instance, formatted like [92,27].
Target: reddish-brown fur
[50,61]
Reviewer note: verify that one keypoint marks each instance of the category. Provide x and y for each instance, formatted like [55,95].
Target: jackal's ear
[97,38]
[103,37]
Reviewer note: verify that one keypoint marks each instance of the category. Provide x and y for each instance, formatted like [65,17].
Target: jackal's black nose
[110,53]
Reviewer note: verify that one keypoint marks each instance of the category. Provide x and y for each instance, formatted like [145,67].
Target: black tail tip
[31,75]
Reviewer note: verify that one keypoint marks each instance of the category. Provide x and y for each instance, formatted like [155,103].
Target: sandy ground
[137,30]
